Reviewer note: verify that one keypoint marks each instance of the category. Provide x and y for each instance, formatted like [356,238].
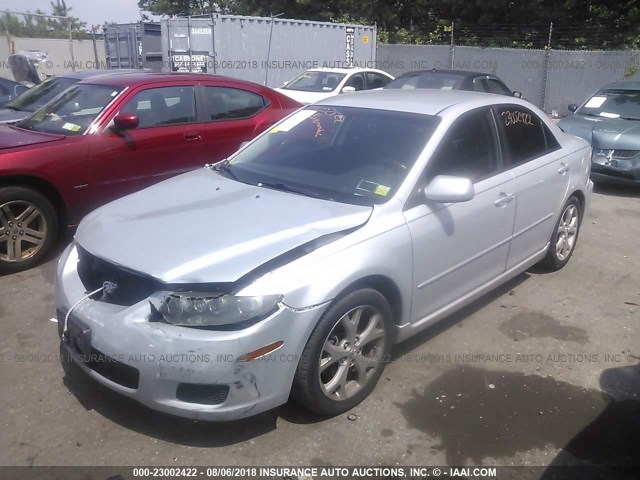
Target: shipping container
[133,45]
[264,50]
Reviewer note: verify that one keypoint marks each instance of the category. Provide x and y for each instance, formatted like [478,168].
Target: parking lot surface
[543,371]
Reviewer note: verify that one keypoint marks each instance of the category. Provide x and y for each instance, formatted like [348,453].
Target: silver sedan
[293,267]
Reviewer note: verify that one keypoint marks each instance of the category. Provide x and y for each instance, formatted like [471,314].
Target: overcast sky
[94,12]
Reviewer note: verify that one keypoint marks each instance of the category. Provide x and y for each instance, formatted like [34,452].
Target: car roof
[83,74]
[344,70]
[143,78]
[459,73]
[623,86]
[419,100]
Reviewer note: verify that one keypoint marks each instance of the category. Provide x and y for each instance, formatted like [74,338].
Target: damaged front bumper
[193,373]
[616,166]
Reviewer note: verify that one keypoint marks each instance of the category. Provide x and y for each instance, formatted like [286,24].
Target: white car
[319,83]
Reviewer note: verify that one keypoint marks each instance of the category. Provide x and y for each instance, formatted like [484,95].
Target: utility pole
[73,60]
[452,48]
[6,32]
[95,46]
[266,70]
[545,76]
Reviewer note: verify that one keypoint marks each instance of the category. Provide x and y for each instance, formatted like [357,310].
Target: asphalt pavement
[543,371]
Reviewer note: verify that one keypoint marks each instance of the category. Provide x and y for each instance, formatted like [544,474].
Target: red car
[108,136]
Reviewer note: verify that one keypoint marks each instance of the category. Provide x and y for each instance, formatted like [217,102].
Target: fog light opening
[261,352]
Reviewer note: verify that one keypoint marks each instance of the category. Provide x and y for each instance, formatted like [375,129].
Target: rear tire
[345,354]
[565,236]
[28,228]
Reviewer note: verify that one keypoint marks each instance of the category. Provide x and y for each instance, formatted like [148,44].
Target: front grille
[79,342]
[623,154]
[116,371]
[132,287]
[202,394]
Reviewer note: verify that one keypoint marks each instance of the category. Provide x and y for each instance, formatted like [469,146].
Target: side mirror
[348,89]
[517,94]
[448,189]
[285,83]
[125,121]
[572,107]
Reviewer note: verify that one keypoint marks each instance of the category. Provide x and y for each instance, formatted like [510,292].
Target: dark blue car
[9,90]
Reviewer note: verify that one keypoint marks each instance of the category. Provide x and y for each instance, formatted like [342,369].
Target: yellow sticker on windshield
[382,190]
[71,126]
[292,120]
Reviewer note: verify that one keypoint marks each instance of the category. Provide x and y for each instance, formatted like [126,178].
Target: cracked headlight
[199,309]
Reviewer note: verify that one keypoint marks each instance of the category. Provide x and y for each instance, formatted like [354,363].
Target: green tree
[60,9]
[33,24]
[577,23]
[183,8]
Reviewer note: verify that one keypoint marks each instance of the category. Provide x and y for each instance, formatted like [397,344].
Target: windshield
[440,81]
[73,111]
[345,154]
[38,96]
[613,104]
[315,82]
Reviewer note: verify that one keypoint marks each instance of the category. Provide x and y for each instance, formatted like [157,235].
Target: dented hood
[203,227]
[601,132]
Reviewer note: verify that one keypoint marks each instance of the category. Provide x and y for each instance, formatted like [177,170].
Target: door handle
[504,199]
[192,136]
[564,168]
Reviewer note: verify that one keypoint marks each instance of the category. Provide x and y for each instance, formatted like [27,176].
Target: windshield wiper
[11,107]
[290,188]
[223,167]
[630,118]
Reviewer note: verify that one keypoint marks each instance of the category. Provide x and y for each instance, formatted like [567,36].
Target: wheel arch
[43,187]
[579,194]
[383,284]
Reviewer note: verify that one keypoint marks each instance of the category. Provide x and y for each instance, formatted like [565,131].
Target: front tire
[565,236]
[28,228]
[345,354]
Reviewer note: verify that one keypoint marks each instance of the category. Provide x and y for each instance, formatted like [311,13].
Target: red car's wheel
[28,228]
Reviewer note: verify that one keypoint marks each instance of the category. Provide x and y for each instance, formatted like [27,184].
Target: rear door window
[376,80]
[525,135]
[223,103]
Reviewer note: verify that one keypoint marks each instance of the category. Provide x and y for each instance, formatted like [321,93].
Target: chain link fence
[550,79]
[65,50]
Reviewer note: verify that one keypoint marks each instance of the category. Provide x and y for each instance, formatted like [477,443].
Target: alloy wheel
[567,232]
[352,352]
[23,231]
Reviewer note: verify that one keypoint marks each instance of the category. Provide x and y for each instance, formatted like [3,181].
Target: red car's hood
[18,137]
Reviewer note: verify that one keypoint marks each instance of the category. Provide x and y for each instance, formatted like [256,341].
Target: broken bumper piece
[189,372]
